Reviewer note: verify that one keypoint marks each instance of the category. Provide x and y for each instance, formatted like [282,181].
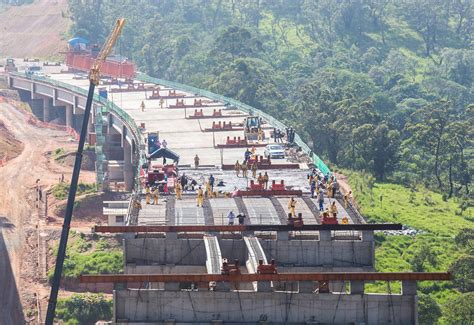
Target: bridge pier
[46,109]
[127,166]
[69,116]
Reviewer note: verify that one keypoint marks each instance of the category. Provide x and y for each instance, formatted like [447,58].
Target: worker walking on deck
[265,180]
[147,194]
[237,168]
[260,135]
[231,218]
[208,190]
[162,101]
[260,179]
[321,200]
[179,190]
[254,169]
[347,198]
[200,197]
[156,193]
[292,206]
[211,182]
[196,161]
[142,106]
[333,209]
[244,168]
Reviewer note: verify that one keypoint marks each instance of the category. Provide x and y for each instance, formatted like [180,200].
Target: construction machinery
[10,66]
[252,126]
[94,78]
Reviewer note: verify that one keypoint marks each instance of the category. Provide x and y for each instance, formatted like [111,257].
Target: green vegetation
[84,309]
[60,191]
[435,249]
[58,153]
[90,255]
[381,86]
[384,88]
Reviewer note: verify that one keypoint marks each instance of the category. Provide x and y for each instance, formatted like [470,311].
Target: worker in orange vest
[200,197]
[260,135]
[292,206]
[237,168]
[179,189]
[147,194]
[156,193]
[265,180]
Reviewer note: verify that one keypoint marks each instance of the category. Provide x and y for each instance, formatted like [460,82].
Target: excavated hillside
[35,30]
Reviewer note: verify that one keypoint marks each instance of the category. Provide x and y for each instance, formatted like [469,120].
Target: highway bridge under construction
[183,262]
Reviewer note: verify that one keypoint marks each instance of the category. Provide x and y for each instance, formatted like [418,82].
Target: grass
[91,255]
[415,207]
[61,190]
[419,208]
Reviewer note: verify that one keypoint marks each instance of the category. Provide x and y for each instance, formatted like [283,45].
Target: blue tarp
[77,40]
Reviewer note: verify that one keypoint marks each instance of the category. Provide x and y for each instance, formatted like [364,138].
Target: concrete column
[306,287]
[222,286]
[264,286]
[127,166]
[172,286]
[368,236]
[46,109]
[325,235]
[69,116]
[282,235]
[409,288]
[357,287]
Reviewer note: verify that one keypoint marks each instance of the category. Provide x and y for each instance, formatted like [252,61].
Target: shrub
[84,309]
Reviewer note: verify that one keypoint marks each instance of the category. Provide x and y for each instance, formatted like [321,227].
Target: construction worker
[345,220]
[231,218]
[292,206]
[200,197]
[196,161]
[156,193]
[347,197]
[179,190]
[237,168]
[260,179]
[265,180]
[244,168]
[333,209]
[211,182]
[162,101]
[147,194]
[137,205]
[142,106]
[208,190]
[260,135]
[321,200]
[254,169]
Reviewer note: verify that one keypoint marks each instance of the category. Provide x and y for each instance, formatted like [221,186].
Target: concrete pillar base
[282,235]
[222,286]
[172,286]
[325,235]
[264,286]
[409,288]
[306,287]
[357,287]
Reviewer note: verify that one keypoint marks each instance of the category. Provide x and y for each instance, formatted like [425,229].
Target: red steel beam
[325,276]
[237,228]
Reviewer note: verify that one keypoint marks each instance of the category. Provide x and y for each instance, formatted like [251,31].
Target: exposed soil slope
[10,147]
[33,30]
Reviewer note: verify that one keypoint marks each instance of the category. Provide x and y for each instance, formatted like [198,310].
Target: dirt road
[18,215]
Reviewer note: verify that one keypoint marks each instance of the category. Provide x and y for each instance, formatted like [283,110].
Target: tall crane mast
[94,78]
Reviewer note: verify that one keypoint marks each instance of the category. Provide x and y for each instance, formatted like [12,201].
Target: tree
[459,310]
[385,150]
[463,273]
[428,310]
[421,256]
[465,238]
